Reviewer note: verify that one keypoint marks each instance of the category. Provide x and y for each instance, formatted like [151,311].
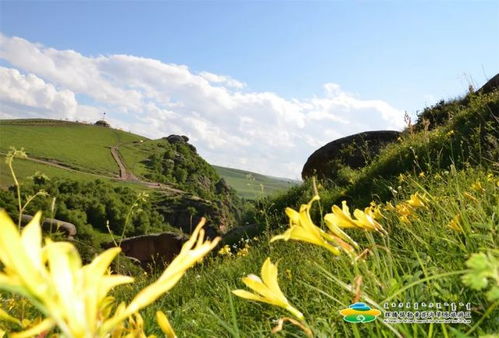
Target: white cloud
[33,95]
[229,125]
[223,80]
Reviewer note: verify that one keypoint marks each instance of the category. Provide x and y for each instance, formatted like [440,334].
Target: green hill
[420,234]
[76,145]
[251,185]
[83,152]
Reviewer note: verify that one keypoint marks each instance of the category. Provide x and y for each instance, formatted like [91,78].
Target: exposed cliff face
[354,151]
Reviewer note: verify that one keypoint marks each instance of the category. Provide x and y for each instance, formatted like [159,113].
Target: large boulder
[491,85]
[51,223]
[152,250]
[353,151]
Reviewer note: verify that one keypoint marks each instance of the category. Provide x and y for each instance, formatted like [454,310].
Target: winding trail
[125,175]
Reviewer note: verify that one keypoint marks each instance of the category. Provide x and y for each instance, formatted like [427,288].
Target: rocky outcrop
[221,187]
[490,86]
[102,123]
[353,151]
[185,212]
[51,223]
[177,139]
[155,250]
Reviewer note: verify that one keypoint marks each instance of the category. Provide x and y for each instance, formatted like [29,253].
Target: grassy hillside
[421,228]
[80,146]
[25,169]
[435,193]
[86,149]
[252,185]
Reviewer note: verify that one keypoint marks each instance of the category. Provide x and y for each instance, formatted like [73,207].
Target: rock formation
[350,151]
[152,250]
[68,228]
[490,86]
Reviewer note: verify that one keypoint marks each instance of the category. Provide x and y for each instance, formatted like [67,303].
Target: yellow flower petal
[164,324]
[41,327]
[331,224]
[269,276]
[5,316]
[192,252]
[268,290]
[248,295]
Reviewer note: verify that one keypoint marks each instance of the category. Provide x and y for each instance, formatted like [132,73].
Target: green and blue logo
[359,313]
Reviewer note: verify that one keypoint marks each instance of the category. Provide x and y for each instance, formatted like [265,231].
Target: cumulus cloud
[33,95]
[223,80]
[259,131]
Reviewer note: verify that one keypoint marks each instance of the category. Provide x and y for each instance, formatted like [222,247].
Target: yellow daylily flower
[225,251]
[365,219]
[56,282]
[374,211]
[243,251]
[267,289]
[74,297]
[455,224]
[401,178]
[330,221]
[341,243]
[164,325]
[477,186]
[389,206]
[469,196]
[404,210]
[303,229]
[44,326]
[192,252]
[417,201]
[341,218]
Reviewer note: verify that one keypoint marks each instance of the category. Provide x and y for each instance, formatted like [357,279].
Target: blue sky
[405,55]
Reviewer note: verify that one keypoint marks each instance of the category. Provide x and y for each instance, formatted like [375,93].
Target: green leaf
[483,266]
[474,281]
[493,294]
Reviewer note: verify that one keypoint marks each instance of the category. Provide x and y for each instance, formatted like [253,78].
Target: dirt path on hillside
[128,176]
[123,173]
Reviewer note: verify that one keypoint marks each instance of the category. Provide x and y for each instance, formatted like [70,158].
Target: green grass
[252,185]
[422,261]
[87,148]
[25,169]
[135,155]
[84,147]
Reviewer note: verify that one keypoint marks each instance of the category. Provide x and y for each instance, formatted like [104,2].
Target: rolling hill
[85,152]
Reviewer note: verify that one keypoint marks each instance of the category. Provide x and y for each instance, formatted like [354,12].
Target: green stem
[489,310]
[422,281]
[18,189]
